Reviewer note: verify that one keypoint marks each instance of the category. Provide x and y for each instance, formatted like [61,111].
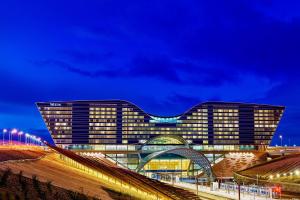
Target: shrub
[36,184]
[49,186]
[24,188]
[4,178]
[20,177]
[23,185]
[42,195]
[77,196]
[56,195]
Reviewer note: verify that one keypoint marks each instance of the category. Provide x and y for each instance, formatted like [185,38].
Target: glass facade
[125,133]
[226,125]
[97,124]
[58,120]
[265,124]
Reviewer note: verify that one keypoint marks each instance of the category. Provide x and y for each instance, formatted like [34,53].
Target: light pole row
[281,142]
[28,138]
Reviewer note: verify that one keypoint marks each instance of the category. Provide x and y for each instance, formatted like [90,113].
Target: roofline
[121,100]
[179,115]
[239,103]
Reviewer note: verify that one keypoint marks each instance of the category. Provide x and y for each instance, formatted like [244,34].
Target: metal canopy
[197,157]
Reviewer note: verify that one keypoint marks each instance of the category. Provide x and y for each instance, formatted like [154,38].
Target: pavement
[220,193]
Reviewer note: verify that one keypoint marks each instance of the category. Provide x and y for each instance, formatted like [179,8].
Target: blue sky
[164,56]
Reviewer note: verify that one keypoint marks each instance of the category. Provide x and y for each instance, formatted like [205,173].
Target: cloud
[243,39]
[195,43]
[168,52]
[173,104]
[182,100]
[159,67]
[88,57]
[77,70]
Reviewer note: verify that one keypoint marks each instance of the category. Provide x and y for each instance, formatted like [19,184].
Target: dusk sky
[164,56]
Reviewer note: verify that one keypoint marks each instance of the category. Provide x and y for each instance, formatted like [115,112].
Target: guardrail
[289,187]
[248,189]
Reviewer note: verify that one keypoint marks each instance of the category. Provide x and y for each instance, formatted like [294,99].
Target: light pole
[26,138]
[40,141]
[3,134]
[197,186]
[31,140]
[19,136]
[34,140]
[11,134]
[280,136]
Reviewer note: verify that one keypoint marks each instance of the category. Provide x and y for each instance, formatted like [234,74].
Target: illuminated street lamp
[12,132]
[277,175]
[33,139]
[19,136]
[26,138]
[3,134]
[280,136]
[39,140]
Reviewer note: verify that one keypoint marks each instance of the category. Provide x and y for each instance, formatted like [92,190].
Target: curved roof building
[96,124]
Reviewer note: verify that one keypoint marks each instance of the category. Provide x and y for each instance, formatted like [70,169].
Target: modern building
[117,125]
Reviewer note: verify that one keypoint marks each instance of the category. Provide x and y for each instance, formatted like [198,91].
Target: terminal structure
[139,140]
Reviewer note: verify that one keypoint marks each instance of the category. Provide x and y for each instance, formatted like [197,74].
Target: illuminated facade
[127,134]
[217,125]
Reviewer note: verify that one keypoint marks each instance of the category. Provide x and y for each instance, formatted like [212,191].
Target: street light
[3,134]
[40,141]
[34,140]
[280,136]
[11,134]
[26,138]
[31,138]
[19,136]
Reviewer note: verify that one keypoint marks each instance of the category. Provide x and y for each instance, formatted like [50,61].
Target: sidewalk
[221,193]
